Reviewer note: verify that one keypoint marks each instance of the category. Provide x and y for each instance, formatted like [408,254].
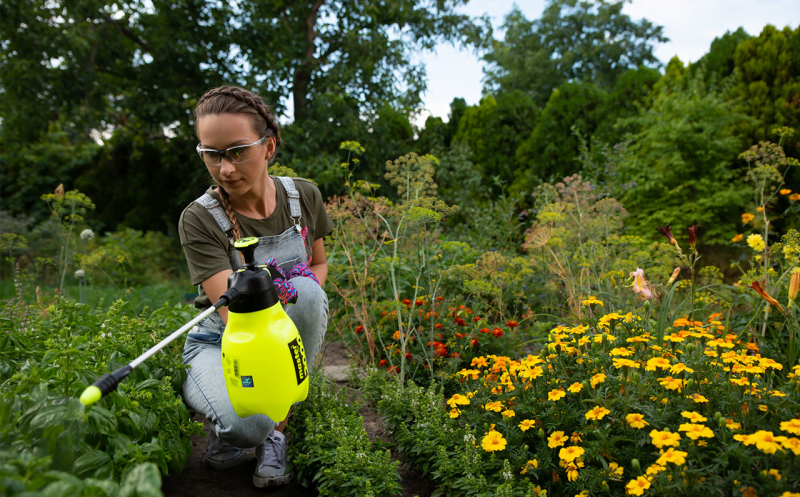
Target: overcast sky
[690,25]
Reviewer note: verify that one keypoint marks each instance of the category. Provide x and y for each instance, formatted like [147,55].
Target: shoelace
[287,291]
[273,450]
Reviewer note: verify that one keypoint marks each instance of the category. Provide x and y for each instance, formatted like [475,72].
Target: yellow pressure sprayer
[263,359]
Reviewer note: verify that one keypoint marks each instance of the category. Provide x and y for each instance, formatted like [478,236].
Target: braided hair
[235,100]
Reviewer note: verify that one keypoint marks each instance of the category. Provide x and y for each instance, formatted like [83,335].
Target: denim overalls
[204,390]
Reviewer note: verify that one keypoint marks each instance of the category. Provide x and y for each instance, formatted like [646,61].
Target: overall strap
[218,212]
[294,198]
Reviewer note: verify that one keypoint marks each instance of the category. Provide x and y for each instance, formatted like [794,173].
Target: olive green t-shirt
[207,247]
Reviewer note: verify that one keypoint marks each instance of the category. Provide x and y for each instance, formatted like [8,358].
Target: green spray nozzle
[247,246]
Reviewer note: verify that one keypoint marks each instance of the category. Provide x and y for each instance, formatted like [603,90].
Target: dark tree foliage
[719,60]
[575,40]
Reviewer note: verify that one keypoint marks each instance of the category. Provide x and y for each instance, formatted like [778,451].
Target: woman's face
[223,131]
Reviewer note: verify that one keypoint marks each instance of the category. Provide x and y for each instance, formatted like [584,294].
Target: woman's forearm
[320,271]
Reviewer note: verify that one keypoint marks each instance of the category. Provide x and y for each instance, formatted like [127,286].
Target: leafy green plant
[331,450]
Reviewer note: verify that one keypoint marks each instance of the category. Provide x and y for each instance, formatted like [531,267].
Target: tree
[493,130]
[681,166]
[551,150]
[768,87]
[575,40]
[720,60]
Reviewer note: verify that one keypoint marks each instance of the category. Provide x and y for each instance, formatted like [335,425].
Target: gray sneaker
[271,465]
[221,455]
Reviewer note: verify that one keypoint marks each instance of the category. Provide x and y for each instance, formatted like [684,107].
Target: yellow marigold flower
[740,381]
[756,242]
[785,191]
[493,442]
[699,399]
[458,399]
[671,383]
[636,420]
[556,394]
[625,363]
[737,238]
[732,425]
[792,444]
[792,426]
[583,493]
[655,469]
[623,351]
[532,464]
[766,441]
[572,470]
[557,439]
[673,337]
[695,431]
[526,424]
[597,413]
[454,413]
[508,413]
[679,368]
[747,217]
[597,379]
[603,321]
[592,300]
[494,405]
[575,387]
[674,456]
[794,197]
[663,439]
[694,417]
[637,486]
[657,362]
[773,472]
[571,453]
[576,437]
[763,407]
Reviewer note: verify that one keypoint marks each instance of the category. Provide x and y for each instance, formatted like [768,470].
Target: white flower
[80,274]
[87,234]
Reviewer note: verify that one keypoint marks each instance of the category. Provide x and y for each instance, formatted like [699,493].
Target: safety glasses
[235,155]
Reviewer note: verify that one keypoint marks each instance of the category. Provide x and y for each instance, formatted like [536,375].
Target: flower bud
[722,422]
[674,276]
[717,415]
[646,306]
[689,383]
[635,376]
[541,434]
[635,464]
[794,286]
[604,486]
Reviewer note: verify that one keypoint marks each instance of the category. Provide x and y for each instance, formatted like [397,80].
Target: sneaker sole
[271,481]
[227,463]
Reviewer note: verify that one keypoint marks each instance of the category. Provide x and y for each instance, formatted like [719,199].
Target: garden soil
[198,480]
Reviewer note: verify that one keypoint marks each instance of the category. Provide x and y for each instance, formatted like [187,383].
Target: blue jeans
[204,390]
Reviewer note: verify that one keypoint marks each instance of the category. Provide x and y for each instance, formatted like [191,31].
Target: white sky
[691,26]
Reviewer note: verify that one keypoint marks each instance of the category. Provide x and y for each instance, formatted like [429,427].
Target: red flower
[497,332]
[393,369]
[476,319]
[440,336]
[408,355]
[460,335]
[460,322]
[455,355]
[440,298]
[474,342]
[440,352]
[438,326]
[359,329]
[419,302]
[406,302]
[512,324]
[485,330]
[666,233]
[397,352]
[383,362]
[693,234]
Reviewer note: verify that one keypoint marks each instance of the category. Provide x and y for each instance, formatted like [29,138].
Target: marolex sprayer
[263,359]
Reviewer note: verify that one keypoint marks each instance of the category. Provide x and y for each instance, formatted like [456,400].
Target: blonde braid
[226,205]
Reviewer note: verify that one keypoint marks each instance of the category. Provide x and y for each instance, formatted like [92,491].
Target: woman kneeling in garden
[239,138]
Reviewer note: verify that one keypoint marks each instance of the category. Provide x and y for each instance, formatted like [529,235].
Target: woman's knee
[247,432]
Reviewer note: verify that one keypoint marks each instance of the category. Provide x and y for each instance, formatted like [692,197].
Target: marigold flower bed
[605,408]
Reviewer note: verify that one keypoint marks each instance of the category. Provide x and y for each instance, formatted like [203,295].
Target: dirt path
[197,480]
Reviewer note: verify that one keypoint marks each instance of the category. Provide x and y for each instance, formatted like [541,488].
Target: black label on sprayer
[298,359]
[247,382]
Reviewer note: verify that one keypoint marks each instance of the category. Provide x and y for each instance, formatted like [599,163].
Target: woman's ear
[270,148]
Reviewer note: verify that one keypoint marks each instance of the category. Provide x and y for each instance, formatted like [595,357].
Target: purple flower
[666,233]
[693,234]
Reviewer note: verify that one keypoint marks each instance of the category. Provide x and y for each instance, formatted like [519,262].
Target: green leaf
[89,463]
[142,481]
[102,420]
